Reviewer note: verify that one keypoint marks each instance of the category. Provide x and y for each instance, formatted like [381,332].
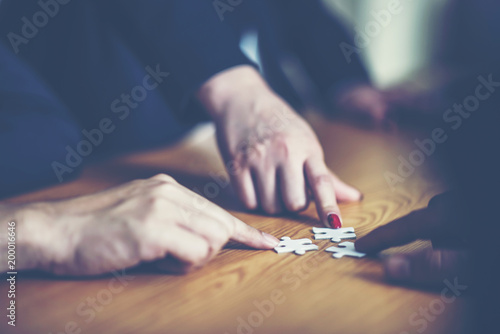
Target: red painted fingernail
[334,220]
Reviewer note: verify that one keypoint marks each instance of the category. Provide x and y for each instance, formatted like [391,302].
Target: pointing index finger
[251,236]
[321,183]
[417,225]
[239,231]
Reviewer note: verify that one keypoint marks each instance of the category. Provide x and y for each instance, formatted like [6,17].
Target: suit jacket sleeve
[35,129]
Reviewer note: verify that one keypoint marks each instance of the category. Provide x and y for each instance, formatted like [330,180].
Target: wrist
[219,92]
[30,232]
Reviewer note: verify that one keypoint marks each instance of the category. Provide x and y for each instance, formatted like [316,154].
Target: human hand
[141,221]
[364,105]
[449,258]
[271,153]
[370,107]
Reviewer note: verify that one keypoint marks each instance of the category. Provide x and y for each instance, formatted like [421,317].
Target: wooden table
[249,291]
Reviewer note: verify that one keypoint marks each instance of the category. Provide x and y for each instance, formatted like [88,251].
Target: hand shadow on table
[142,269]
[167,266]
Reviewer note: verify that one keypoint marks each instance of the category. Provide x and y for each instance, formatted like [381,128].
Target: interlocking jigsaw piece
[299,246]
[336,235]
[345,248]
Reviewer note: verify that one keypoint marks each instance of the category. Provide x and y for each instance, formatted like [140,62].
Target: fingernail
[397,268]
[271,239]
[334,220]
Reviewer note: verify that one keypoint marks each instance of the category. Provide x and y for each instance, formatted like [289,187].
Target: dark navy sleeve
[191,38]
[324,45]
[35,129]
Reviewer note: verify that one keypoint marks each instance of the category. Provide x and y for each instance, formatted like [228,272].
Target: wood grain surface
[244,290]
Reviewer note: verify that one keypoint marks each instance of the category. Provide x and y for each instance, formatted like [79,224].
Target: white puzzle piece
[336,235]
[344,249]
[299,246]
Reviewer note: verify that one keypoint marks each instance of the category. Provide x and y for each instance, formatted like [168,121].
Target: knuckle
[281,147]
[248,153]
[256,153]
[201,255]
[164,178]
[164,188]
[296,205]
[219,240]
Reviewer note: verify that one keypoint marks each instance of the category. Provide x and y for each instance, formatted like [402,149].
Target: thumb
[429,267]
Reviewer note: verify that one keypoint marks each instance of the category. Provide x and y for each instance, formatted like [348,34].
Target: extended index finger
[241,232]
[238,230]
[252,237]
[419,224]
[321,183]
